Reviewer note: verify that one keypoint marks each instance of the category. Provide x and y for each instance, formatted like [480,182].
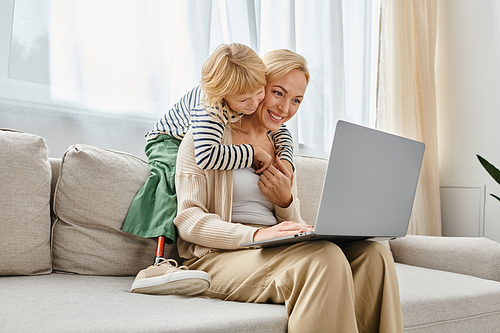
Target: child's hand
[261,160]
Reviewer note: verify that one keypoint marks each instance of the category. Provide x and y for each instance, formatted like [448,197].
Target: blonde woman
[232,85]
[326,287]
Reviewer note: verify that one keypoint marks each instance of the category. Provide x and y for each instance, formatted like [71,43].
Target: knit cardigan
[204,199]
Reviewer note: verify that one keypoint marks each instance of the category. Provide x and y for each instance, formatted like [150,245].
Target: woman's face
[283,98]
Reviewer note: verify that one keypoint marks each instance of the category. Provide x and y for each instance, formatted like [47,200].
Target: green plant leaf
[492,170]
[494,196]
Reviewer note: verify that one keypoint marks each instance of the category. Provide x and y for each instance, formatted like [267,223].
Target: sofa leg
[159,248]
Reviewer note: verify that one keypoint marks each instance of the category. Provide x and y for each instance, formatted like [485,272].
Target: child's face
[246,103]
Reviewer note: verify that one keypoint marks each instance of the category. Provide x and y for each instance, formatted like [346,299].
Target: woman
[326,287]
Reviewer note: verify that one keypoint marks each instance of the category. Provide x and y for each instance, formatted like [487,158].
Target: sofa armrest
[475,256]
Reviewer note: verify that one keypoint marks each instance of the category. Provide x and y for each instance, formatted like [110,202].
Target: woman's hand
[289,167]
[276,184]
[286,228]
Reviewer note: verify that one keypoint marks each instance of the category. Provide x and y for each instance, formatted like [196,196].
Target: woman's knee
[367,248]
[321,253]
[370,256]
[329,256]
[377,250]
[326,251]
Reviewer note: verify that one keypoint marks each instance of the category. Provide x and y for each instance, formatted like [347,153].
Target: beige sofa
[65,266]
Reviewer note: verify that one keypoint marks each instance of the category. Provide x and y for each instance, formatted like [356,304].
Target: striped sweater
[207,133]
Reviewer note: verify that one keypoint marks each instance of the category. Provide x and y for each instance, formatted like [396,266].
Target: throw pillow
[25,176]
[91,200]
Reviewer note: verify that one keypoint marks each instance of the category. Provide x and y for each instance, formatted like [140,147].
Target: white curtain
[407,96]
[136,57]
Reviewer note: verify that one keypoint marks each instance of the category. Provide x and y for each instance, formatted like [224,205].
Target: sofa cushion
[25,176]
[82,303]
[91,200]
[436,301]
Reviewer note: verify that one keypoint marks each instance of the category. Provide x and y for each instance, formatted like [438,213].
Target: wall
[468,102]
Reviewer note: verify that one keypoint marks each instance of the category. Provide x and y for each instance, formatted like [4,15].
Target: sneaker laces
[170,262]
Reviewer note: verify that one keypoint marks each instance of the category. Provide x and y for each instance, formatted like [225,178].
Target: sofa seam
[477,316]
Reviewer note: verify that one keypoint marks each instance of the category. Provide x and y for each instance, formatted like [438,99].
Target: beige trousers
[325,287]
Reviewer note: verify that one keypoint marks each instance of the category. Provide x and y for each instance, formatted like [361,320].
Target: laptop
[369,188]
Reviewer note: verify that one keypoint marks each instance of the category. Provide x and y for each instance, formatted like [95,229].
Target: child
[232,85]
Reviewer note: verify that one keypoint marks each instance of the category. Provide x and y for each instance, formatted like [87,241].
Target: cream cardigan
[204,199]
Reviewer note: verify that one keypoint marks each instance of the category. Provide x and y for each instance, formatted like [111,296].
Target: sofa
[66,266]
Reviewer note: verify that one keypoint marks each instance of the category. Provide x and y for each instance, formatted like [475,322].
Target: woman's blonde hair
[280,62]
[232,69]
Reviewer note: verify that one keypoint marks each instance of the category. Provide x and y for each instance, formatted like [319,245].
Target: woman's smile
[275,116]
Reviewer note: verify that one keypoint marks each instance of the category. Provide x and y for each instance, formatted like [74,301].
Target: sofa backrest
[92,192]
[87,192]
[310,174]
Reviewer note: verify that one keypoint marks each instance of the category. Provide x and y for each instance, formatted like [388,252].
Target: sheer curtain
[128,57]
[138,57]
[407,95]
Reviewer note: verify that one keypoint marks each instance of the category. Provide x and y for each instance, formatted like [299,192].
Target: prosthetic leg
[159,249]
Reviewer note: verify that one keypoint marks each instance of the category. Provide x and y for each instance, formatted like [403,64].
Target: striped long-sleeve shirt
[208,131]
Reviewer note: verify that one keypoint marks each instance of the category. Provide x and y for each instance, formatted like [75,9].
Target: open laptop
[369,187]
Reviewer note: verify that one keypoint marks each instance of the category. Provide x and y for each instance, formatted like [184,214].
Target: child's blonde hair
[280,62]
[232,69]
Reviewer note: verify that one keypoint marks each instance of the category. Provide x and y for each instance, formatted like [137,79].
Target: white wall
[468,83]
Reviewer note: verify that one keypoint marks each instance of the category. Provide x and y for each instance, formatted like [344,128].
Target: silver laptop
[369,187]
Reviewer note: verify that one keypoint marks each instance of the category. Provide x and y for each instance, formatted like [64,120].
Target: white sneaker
[165,278]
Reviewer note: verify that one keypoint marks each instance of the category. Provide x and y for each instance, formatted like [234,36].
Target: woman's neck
[250,130]
[250,126]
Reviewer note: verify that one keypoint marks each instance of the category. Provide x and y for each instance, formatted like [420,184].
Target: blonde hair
[232,69]
[280,62]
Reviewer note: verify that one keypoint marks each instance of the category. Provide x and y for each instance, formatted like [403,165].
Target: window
[134,58]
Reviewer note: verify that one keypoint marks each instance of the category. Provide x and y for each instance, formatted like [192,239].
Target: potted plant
[492,170]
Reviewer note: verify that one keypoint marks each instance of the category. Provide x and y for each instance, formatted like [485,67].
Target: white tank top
[250,205]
